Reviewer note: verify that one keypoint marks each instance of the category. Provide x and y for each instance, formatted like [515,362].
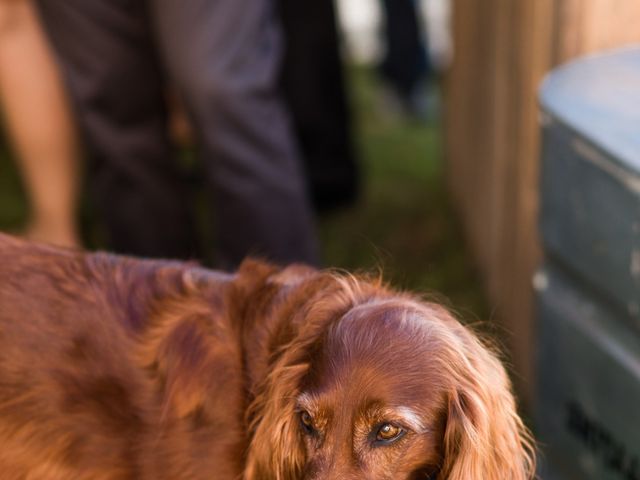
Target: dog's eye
[307,422]
[388,433]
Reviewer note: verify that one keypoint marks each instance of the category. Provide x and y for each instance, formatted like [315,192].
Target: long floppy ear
[276,363]
[298,321]
[305,303]
[276,451]
[484,438]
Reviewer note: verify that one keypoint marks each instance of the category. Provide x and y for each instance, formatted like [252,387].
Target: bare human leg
[38,118]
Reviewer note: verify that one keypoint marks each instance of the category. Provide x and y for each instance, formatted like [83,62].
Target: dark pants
[313,84]
[405,64]
[223,57]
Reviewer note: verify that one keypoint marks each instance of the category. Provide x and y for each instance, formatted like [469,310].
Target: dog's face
[369,384]
[372,407]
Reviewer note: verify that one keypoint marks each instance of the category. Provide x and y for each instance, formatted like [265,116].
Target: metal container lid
[599,98]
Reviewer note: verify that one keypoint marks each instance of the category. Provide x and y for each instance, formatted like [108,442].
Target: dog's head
[376,385]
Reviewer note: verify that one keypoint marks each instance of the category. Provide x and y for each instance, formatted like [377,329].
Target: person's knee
[225,88]
[212,92]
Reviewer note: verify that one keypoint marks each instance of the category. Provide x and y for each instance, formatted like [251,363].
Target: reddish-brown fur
[116,368]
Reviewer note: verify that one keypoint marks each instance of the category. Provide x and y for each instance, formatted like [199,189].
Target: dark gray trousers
[223,57]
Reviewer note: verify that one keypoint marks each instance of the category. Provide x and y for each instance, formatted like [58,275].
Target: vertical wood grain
[502,50]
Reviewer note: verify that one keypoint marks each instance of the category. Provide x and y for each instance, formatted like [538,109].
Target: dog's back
[98,363]
[114,368]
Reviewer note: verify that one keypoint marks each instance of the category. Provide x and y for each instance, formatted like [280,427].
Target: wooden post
[502,50]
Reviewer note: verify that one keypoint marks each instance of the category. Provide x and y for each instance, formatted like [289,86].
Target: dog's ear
[276,451]
[299,314]
[484,438]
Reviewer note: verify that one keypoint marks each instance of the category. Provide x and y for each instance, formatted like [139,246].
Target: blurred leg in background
[39,124]
[223,58]
[109,59]
[313,83]
[405,65]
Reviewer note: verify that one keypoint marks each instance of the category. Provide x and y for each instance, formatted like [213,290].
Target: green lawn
[13,208]
[403,223]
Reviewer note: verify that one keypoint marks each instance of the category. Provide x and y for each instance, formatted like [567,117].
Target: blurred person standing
[223,59]
[314,88]
[405,65]
[39,123]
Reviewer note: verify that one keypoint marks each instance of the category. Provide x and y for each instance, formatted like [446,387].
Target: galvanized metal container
[588,413]
[589,369]
[590,216]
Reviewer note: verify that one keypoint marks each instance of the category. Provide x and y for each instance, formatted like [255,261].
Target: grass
[403,223]
[13,206]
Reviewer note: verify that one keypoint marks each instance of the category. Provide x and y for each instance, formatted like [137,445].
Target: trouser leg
[224,57]
[405,63]
[107,55]
[313,85]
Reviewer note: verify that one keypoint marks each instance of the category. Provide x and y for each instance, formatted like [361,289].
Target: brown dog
[116,368]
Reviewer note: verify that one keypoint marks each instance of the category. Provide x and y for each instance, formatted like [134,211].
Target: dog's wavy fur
[117,368]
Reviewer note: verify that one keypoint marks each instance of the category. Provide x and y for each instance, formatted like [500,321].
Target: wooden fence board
[502,49]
